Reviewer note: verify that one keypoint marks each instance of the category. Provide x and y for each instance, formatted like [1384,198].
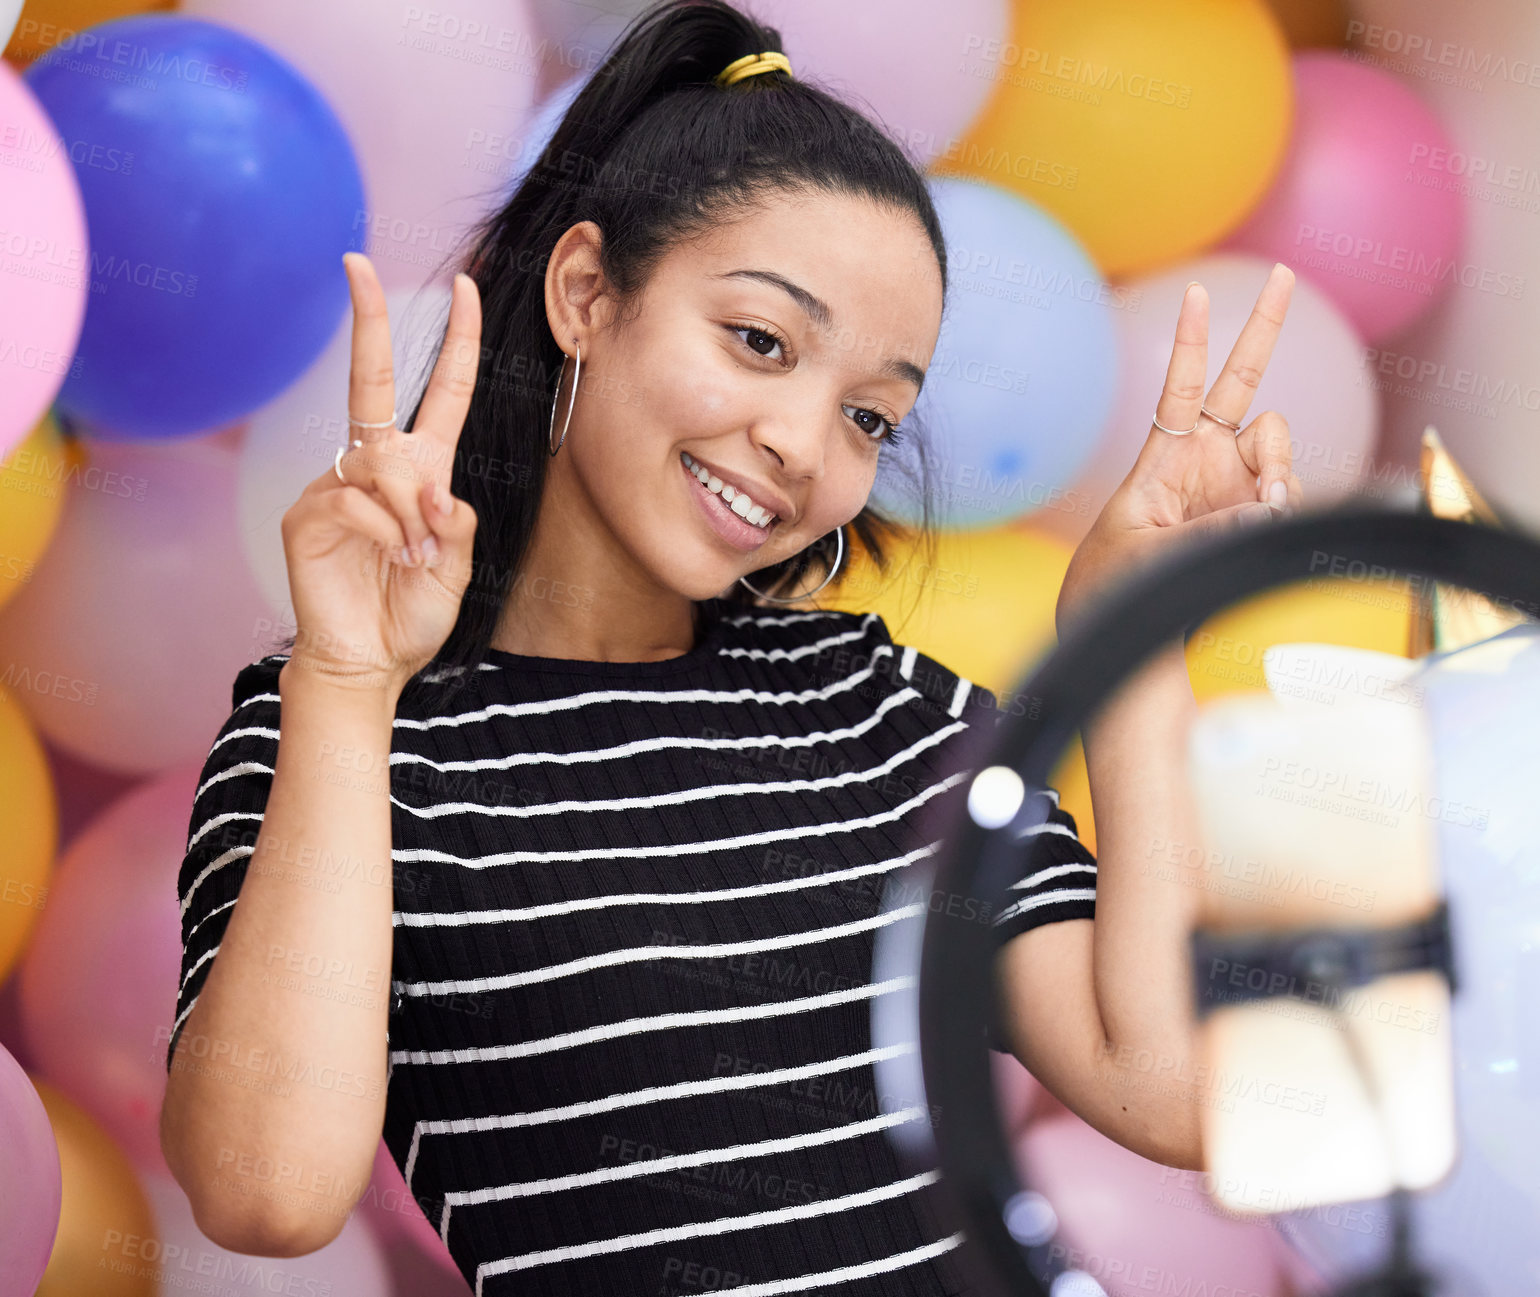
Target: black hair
[653,151]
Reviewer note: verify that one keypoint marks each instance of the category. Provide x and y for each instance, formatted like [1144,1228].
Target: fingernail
[406,556]
[430,551]
[1278,494]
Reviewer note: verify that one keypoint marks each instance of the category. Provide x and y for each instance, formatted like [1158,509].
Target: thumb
[1223,521]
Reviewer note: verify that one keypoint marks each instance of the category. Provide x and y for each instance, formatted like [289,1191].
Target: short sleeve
[227,810]
[1057,876]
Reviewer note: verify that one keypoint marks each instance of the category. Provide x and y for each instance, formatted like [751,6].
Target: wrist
[305,674]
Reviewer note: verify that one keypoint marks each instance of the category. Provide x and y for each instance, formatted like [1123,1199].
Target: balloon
[29,485]
[29,826]
[1469,366]
[1309,23]
[853,50]
[1225,652]
[124,643]
[1477,1225]
[1024,369]
[60,23]
[1148,127]
[430,96]
[44,246]
[104,1215]
[983,608]
[99,980]
[30,1188]
[1359,207]
[292,440]
[221,193]
[1318,378]
[177,1255]
[1126,1220]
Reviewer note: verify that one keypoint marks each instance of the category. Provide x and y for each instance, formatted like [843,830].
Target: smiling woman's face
[776,352]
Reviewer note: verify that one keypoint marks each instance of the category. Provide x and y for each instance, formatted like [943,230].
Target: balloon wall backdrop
[174,334]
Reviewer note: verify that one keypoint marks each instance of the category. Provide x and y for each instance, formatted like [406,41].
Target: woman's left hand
[1213,478]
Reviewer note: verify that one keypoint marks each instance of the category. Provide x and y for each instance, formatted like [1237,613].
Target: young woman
[563,829]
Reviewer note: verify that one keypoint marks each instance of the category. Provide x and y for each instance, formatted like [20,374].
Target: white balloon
[10,11]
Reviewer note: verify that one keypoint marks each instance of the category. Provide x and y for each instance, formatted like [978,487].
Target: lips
[760,493]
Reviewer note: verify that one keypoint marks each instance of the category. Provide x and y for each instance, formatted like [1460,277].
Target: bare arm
[1105,1022]
[276,1097]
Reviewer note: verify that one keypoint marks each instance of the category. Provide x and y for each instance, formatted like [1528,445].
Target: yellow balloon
[29,827]
[1224,653]
[982,607]
[46,23]
[106,1243]
[32,481]
[1150,128]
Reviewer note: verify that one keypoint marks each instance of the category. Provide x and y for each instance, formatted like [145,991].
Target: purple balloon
[31,1188]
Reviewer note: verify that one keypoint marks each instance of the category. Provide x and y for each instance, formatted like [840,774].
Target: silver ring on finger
[1175,432]
[388,423]
[1223,423]
[341,451]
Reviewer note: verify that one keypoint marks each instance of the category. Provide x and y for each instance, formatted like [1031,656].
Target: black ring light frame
[1109,643]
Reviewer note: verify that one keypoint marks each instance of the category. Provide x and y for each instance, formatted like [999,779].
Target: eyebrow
[818,311]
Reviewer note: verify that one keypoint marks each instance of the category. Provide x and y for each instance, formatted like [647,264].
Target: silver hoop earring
[839,538]
[571,400]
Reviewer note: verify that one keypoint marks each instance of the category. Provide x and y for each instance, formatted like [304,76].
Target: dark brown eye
[768,342]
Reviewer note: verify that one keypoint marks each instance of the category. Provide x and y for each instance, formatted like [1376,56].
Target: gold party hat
[1445,616]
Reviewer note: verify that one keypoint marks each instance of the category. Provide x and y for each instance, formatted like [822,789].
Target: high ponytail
[653,150]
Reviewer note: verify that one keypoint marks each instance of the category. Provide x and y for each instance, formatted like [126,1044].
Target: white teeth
[737,501]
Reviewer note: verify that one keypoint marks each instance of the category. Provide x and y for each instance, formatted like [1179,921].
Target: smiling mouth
[742,504]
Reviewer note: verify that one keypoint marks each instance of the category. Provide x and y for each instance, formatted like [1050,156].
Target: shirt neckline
[713,635]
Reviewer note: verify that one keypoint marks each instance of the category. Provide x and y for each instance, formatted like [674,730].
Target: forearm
[282,1061]
[1147,896]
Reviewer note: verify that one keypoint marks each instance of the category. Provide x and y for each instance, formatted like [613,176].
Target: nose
[794,435]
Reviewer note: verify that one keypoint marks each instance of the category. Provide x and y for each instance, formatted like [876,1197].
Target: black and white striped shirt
[635,910]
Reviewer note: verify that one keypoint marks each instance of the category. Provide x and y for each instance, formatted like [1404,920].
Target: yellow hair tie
[751,65]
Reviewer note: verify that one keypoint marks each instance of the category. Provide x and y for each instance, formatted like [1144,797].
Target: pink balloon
[916,64]
[1318,379]
[124,644]
[1133,1224]
[1365,205]
[31,1189]
[99,977]
[183,1258]
[433,97]
[44,247]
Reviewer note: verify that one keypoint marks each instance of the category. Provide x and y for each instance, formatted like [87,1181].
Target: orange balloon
[106,1245]
[1224,653]
[46,23]
[983,606]
[29,827]
[32,478]
[1148,128]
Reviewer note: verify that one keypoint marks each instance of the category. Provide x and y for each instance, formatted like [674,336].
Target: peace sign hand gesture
[378,549]
[1195,475]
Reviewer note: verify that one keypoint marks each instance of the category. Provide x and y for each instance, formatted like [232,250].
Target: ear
[577,299]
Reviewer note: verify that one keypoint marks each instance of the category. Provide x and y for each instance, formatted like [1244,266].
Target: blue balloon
[220,193]
[1025,369]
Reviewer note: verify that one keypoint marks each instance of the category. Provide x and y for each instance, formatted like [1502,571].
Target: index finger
[1233,390]
[372,371]
[1182,396]
[447,400]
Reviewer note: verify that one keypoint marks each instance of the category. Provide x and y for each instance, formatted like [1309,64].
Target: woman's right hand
[378,565]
